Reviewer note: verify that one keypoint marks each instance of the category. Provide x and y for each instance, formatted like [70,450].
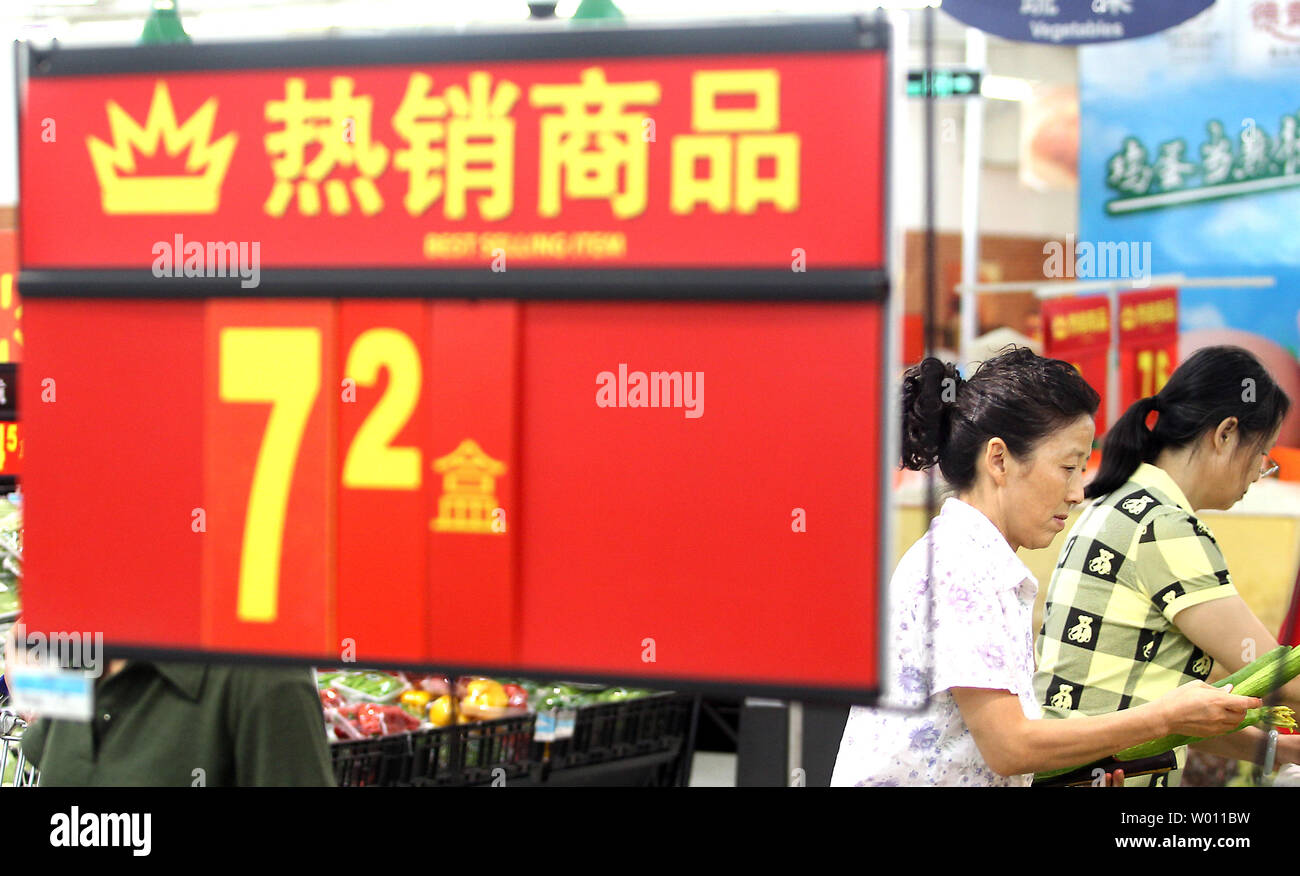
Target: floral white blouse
[975,630]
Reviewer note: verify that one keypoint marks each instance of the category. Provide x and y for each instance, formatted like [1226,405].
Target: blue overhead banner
[1190,145]
[1068,22]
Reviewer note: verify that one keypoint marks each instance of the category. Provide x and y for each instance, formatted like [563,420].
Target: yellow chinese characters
[734,142]
[340,126]
[1147,313]
[467,136]
[597,155]
[1081,322]
[593,144]
[468,502]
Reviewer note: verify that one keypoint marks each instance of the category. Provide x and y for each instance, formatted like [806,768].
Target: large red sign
[1148,342]
[1078,331]
[672,491]
[665,491]
[697,162]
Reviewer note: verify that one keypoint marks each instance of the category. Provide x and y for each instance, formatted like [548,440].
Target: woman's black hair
[1017,396]
[1215,383]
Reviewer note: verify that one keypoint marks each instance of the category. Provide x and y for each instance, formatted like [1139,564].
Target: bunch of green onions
[1259,679]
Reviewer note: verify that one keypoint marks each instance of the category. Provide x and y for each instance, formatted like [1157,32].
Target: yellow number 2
[372,462]
[279,366]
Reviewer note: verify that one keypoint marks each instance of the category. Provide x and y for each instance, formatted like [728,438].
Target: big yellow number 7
[279,366]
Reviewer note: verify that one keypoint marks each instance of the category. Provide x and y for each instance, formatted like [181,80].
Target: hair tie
[1153,415]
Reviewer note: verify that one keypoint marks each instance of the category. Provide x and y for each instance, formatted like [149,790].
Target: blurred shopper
[1141,600]
[188,724]
[1012,441]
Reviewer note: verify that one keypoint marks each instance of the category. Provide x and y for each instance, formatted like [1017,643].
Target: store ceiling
[120,21]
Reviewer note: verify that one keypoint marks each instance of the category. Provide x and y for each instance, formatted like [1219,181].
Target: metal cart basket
[14,770]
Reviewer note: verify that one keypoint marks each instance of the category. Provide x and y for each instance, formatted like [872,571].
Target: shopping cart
[14,769]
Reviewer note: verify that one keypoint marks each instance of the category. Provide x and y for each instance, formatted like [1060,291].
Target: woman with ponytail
[959,704]
[1141,599]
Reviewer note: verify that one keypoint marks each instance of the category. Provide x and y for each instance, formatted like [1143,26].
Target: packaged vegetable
[369,687]
[325,677]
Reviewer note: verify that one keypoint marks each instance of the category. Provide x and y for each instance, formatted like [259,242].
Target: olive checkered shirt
[1133,560]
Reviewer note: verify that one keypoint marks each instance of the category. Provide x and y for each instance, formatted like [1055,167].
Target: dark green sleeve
[280,731]
[33,742]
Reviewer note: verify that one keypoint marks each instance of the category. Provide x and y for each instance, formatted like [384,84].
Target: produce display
[358,720]
[403,729]
[360,704]
[1258,679]
[11,554]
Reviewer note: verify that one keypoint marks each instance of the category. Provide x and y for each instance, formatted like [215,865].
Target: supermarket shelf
[645,742]
[650,770]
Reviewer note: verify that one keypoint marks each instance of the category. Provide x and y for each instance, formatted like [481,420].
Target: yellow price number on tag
[280,367]
[372,461]
[9,443]
[1153,366]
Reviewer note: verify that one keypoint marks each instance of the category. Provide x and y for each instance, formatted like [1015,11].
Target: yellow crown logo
[197,190]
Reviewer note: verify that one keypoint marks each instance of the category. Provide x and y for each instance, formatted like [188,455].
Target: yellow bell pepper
[440,711]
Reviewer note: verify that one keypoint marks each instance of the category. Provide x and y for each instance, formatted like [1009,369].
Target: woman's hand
[1199,709]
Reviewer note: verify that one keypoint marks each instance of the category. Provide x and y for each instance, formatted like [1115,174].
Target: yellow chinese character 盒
[468,502]
[590,149]
[340,126]
[733,141]
[458,142]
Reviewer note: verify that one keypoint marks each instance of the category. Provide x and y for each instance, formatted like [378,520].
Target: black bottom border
[937,826]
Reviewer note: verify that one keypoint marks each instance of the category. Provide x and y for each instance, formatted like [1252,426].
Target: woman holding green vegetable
[1012,441]
[1141,600]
